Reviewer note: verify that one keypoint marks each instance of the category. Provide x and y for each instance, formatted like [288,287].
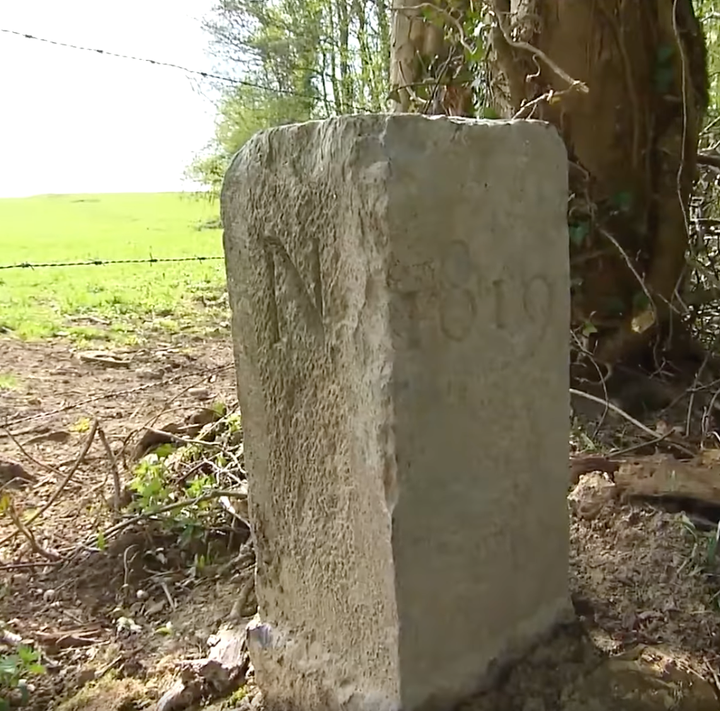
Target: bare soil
[73,609]
[113,624]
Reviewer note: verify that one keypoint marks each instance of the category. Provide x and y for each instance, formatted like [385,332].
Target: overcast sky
[74,121]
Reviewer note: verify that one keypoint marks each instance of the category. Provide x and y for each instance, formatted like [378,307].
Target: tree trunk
[427,68]
[625,83]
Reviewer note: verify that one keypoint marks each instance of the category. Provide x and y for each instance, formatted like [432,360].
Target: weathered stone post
[400,298]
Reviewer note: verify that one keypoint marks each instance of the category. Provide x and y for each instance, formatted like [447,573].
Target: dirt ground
[113,624]
[74,608]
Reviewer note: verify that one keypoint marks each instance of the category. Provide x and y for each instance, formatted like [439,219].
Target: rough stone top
[360,124]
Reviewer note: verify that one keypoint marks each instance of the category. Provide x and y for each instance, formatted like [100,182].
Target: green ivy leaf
[588,328]
[622,201]
[665,53]
[578,232]
[641,301]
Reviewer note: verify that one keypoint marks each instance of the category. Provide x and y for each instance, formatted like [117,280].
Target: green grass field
[111,302]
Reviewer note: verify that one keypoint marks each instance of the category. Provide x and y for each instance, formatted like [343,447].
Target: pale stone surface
[400,297]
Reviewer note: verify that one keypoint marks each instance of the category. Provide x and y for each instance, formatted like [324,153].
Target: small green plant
[580,438]
[234,423]
[101,541]
[184,490]
[15,669]
[168,325]
[8,382]
[219,408]
[238,696]
[82,425]
[153,482]
[150,481]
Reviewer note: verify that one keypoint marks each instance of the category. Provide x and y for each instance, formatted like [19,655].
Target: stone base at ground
[400,298]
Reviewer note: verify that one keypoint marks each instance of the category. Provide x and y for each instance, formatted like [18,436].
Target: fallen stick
[29,536]
[619,411]
[66,480]
[117,493]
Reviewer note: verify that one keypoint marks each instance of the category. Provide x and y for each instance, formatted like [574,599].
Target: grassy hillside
[118,302]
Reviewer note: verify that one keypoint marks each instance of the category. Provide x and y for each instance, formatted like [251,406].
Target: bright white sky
[73,121]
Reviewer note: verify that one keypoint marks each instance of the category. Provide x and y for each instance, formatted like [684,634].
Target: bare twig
[641,445]
[30,565]
[149,515]
[184,440]
[708,410]
[27,455]
[61,486]
[619,411]
[528,107]
[693,390]
[113,469]
[28,534]
[707,158]
[168,596]
[126,567]
[161,411]
[539,54]
[632,268]
[602,378]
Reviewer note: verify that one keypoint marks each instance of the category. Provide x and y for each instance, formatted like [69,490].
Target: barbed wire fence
[204,74]
[168,65]
[105,262]
[9,425]
[158,63]
[33,416]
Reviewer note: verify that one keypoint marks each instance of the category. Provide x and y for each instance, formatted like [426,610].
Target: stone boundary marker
[400,297]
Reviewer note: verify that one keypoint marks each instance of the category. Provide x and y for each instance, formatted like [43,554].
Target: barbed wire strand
[7,425]
[103,262]
[171,65]
[156,62]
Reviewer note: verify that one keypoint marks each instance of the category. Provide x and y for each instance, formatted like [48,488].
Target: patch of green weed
[8,382]
[15,671]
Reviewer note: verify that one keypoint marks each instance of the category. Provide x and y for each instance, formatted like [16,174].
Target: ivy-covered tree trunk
[625,83]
